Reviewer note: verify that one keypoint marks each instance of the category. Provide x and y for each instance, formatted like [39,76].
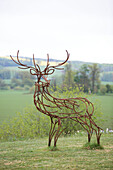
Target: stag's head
[36,70]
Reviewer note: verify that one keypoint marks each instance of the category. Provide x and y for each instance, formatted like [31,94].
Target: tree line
[86,77]
[21,80]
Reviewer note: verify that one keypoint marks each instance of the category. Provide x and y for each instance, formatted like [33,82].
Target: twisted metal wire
[77,109]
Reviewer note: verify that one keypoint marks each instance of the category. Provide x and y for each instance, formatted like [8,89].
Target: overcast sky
[83,27]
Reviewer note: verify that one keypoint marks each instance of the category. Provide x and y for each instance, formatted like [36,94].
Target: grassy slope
[34,154]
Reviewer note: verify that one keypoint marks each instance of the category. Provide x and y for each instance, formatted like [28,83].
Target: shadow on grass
[92,146]
[53,148]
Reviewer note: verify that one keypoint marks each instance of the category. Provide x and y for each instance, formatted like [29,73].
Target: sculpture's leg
[86,126]
[57,135]
[98,140]
[58,132]
[89,137]
[98,134]
[90,132]
[52,131]
[49,142]
[97,131]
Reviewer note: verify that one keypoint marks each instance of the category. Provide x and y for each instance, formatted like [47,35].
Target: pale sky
[83,27]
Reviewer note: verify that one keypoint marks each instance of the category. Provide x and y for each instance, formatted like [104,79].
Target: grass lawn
[34,154]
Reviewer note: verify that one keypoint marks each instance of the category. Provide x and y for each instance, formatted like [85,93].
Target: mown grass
[34,154]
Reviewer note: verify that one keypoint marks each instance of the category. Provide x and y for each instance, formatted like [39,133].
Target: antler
[36,69]
[24,66]
[62,62]
[50,69]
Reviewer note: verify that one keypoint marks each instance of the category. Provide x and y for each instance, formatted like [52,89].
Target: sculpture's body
[53,107]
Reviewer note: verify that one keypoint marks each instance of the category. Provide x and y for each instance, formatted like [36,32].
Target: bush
[30,124]
[3,85]
[103,89]
[26,87]
[32,89]
[18,88]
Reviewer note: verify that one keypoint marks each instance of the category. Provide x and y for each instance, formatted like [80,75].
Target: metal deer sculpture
[79,109]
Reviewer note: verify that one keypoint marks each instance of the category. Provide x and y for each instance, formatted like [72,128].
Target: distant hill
[106,70]
[7,62]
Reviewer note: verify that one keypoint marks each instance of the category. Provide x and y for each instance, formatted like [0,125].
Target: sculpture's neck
[40,87]
[41,92]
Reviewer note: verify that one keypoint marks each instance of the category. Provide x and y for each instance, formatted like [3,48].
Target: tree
[103,89]
[5,74]
[68,80]
[2,85]
[94,76]
[27,81]
[107,77]
[15,82]
[82,77]
[109,89]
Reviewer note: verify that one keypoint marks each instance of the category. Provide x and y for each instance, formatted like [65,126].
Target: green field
[106,82]
[12,102]
[106,105]
[107,109]
[34,154]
